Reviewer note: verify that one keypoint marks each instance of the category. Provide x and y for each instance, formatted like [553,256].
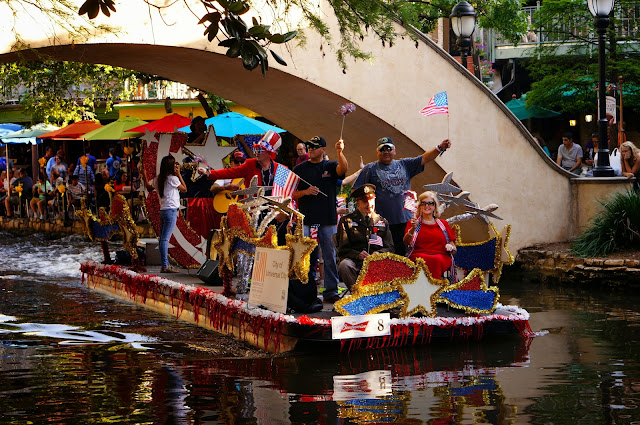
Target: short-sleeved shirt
[91,161]
[114,164]
[171,198]
[569,157]
[75,191]
[318,209]
[44,188]
[391,181]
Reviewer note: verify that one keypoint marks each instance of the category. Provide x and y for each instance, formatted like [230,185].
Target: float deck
[184,296]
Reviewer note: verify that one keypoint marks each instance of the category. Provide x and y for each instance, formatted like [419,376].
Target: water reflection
[69,355]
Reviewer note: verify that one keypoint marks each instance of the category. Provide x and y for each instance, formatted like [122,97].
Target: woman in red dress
[430,243]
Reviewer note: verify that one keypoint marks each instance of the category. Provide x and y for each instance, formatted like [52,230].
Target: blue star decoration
[387,281]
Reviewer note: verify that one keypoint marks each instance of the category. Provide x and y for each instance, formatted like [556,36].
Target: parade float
[395,301]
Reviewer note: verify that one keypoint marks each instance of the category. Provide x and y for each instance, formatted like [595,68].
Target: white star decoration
[211,151]
[420,295]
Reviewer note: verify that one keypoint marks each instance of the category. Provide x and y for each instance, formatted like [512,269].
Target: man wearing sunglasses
[392,178]
[316,196]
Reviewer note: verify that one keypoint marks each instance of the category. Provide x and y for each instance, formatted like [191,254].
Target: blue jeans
[329,257]
[168,220]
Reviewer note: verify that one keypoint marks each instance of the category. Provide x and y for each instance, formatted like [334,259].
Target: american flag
[313,233]
[285,182]
[437,105]
[410,202]
[374,239]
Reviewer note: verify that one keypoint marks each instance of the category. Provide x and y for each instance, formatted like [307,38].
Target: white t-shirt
[171,199]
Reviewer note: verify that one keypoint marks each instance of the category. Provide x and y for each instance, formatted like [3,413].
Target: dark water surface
[69,355]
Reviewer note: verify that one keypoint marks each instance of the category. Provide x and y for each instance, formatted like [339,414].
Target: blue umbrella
[9,128]
[231,124]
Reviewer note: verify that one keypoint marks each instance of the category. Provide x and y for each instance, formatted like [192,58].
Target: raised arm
[432,154]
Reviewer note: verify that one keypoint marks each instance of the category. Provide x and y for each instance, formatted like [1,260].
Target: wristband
[440,149]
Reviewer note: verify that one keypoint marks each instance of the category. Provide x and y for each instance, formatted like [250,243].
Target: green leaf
[290,35]
[234,50]
[277,38]
[278,58]
[212,17]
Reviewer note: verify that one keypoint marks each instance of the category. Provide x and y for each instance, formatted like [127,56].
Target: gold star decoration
[463,285]
[223,246]
[300,248]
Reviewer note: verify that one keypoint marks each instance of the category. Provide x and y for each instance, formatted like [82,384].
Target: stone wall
[56,227]
[566,268]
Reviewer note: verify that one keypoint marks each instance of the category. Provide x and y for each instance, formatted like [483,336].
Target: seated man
[14,198]
[361,233]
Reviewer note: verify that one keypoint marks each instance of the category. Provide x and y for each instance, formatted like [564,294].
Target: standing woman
[168,183]
[430,238]
[630,162]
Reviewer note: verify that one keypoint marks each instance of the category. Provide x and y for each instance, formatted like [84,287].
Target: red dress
[430,247]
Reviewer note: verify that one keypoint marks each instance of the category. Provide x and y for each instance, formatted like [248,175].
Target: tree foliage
[64,91]
[566,82]
[356,19]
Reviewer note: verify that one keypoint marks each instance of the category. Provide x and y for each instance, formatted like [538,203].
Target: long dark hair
[166,169]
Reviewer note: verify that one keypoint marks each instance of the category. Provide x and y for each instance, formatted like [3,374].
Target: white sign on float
[270,279]
[369,325]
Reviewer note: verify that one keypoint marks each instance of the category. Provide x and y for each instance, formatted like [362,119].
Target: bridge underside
[301,107]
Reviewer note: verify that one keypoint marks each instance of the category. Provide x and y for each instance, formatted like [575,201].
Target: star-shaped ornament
[300,248]
[211,152]
[420,296]
[223,246]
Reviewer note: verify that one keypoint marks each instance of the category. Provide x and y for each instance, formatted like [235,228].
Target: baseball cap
[385,141]
[316,142]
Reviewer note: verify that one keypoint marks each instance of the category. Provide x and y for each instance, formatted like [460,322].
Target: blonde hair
[634,151]
[439,206]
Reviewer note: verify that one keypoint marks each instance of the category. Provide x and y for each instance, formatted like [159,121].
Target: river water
[69,355]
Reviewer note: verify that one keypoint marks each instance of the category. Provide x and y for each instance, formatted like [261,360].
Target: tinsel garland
[222,311]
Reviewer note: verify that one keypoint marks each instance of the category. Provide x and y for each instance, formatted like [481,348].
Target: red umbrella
[72,131]
[166,124]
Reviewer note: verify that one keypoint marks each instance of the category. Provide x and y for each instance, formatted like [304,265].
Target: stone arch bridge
[493,155]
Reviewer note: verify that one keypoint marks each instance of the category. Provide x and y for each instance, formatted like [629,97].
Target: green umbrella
[116,130]
[522,111]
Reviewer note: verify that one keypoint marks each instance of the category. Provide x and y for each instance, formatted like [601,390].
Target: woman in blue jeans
[168,183]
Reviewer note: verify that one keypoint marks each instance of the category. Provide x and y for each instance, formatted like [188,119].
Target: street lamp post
[463,22]
[600,9]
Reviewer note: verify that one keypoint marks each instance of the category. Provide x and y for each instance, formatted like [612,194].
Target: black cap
[385,141]
[362,191]
[316,142]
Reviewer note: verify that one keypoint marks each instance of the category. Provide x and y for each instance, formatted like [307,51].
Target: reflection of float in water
[454,385]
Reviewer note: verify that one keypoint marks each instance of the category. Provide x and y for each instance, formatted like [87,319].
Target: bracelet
[440,149]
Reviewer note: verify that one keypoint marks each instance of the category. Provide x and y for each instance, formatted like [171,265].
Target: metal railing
[626,26]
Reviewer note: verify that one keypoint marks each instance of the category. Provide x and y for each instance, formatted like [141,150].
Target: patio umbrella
[522,111]
[116,130]
[231,124]
[26,135]
[9,128]
[72,131]
[166,124]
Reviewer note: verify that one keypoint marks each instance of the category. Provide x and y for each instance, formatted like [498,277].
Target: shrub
[616,228]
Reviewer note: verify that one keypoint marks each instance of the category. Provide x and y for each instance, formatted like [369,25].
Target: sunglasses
[425,203]
[385,149]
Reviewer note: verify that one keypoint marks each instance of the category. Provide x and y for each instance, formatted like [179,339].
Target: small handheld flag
[438,104]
